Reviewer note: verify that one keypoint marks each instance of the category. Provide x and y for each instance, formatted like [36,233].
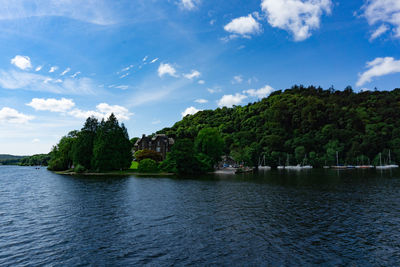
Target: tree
[182,158]
[83,147]
[210,143]
[61,154]
[112,148]
[148,165]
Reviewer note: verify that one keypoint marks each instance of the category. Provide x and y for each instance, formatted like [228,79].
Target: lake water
[318,217]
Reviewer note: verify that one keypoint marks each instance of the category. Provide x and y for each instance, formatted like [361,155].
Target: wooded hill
[308,124]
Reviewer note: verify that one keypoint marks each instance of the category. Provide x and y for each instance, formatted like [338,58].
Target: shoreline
[113,173]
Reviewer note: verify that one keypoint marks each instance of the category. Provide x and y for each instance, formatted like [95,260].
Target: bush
[148,154]
[79,168]
[148,165]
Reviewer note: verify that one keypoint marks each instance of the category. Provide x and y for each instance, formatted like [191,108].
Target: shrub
[148,154]
[79,168]
[148,165]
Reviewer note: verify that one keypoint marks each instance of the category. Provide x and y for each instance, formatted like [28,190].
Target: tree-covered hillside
[307,124]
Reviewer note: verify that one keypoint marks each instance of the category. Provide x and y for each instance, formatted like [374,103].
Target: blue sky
[152,61]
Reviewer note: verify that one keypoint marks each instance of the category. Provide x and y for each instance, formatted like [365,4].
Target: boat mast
[337,159]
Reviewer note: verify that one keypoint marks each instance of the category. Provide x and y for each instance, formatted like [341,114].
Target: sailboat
[386,166]
[337,163]
[262,166]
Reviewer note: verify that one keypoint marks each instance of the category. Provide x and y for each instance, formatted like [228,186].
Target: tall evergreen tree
[83,147]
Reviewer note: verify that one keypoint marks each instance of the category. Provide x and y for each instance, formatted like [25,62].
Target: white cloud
[156,122]
[190,111]
[52,104]
[192,75]
[201,82]
[99,12]
[243,26]
[381,12]
[378,32]
[36,140]
[214,90]
[154,61]
[38,68]
[189,4]
[103,110]
[65,71]
[237,79]
[296,16]
[124,75]
[36,82]
[22,62]
[164,69]
[53,69]
[379,67]
[10,115]
[75,74]
[230,100]
[260,93]
[201,101]
[122,87]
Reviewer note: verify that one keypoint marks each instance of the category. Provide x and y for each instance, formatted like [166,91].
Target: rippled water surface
[320,217]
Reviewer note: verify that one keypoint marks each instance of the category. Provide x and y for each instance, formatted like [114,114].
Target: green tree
[210,143]
[148,165]
[112,148]
[83,146]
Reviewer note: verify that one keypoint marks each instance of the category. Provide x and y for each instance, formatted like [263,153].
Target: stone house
[159,143]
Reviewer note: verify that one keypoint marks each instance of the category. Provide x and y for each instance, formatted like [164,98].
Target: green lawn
[134,165]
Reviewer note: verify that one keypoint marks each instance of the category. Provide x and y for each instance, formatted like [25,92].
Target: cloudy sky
[153,61]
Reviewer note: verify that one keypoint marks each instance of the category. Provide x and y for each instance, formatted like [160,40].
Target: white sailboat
[386,166]
[262,166]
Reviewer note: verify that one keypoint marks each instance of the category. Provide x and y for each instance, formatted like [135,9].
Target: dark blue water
[321,217]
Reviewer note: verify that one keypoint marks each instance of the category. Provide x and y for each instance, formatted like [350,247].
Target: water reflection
[323,217]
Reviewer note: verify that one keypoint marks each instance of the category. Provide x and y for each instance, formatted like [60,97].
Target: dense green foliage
[209,142]
[188,157]
[303,124]
[103,146]
[36,160]
[6,159]
[148,166]
[148,154]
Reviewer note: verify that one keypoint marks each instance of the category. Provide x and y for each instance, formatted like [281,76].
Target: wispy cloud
[189,4]
[192,75]
[103,110]
[14,80]
[201,101]
[53,69]
[154,61]
[65,71]
[379,67]
[382,13]
[92,11]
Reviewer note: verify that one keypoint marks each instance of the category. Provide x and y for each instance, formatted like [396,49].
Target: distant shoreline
[114,173]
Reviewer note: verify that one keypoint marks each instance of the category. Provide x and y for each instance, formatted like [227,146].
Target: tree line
[98,146]
[304,124]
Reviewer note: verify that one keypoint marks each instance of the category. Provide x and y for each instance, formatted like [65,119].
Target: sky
[151,62]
